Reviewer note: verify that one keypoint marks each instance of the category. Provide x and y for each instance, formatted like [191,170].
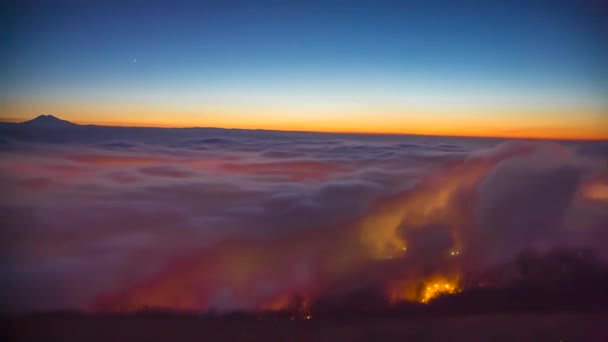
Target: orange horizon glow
[522,124]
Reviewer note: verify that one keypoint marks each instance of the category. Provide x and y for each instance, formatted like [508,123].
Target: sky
[534,69]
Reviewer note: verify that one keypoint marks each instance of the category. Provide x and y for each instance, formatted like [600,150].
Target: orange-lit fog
[240,222]
[266,274]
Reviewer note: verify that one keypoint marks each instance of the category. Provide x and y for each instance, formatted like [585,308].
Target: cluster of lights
[453,253]
[437,289]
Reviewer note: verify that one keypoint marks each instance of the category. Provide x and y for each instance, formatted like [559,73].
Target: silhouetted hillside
[47,122]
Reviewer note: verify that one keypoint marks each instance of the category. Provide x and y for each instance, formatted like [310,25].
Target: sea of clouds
[193,219]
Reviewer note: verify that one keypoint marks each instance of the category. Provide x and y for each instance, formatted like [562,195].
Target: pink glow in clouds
[228,227]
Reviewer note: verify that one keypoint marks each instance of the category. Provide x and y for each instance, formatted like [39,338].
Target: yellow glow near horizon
[588,124]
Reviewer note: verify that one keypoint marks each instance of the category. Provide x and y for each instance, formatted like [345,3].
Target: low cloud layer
[215,219]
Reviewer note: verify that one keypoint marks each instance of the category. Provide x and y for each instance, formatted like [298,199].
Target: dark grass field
[495,327]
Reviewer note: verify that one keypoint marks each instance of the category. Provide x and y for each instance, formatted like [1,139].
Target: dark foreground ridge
[557,296]
[494,327]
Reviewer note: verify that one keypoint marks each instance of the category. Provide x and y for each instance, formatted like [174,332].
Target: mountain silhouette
[48,121]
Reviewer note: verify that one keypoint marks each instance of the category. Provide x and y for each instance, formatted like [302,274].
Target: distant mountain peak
[47,120]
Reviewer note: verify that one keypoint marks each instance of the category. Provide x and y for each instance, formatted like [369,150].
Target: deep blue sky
[309,63]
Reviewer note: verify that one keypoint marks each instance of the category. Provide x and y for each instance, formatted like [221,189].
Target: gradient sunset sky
[489,68]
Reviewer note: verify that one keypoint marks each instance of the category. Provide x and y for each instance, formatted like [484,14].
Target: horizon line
[164,126]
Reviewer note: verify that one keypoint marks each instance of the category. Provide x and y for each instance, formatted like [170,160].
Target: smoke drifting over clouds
[101,218]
